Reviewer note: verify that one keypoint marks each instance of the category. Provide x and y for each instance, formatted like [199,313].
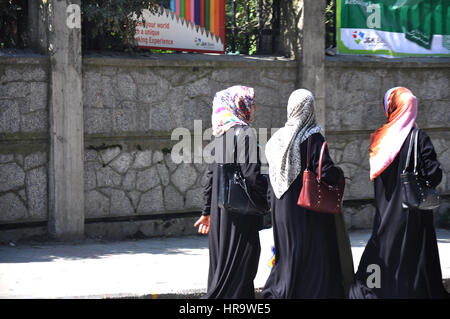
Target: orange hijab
[400,107]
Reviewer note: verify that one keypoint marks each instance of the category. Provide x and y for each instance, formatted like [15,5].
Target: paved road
[158,267]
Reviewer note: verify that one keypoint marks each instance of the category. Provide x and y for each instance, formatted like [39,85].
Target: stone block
[109,91]
[11,208]
[92,92]
[121,163]
[6,158]
[19,159]
[35,160]
[161,118]
[144,76]
[153,93]
[147,179]
[90,176]
[96,204]
[126,87]
[11,177]
[90,155]
[143,159]
[97,121]
[134,197]
[163,173]
[198,88]
[194,199]
[35,74]
[23,195]
[120,204]
[267,96]
[158,157]
[170,164]
[261,118]
[173,200]
[129,181]
[107,155]
[124,120]
[35,122]
[184,177]
[9,116]
[36,188]
[438,114]
[15,89]
[106,177]
[151,201]
[37,99]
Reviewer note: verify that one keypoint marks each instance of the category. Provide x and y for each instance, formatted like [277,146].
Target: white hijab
[283,148]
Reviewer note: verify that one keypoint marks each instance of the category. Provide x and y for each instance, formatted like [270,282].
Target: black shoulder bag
[416,191]
[234,195]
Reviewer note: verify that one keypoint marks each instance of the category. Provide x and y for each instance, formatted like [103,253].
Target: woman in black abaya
[312,250]
[234,246]
[401,259]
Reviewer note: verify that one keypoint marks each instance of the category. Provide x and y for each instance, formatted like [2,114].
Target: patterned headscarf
[283,148]
[231,107]
[400,107]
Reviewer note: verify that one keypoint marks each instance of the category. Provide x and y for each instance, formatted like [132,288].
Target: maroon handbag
[316,195]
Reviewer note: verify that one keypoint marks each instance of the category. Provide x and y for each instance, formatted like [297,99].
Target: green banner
[393,27]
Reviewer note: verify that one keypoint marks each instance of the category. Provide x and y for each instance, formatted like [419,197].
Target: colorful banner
[189,25]
[393,28]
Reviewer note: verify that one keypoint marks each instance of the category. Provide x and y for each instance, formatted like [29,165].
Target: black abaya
[234,246]
[403,242]
[307,259]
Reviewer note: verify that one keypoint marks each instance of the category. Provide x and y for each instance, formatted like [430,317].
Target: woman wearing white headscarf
[312,250]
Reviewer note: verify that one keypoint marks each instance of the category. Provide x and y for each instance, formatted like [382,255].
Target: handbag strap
[307,153]
[236,133]
[324,145]
[408,157]
[416,134]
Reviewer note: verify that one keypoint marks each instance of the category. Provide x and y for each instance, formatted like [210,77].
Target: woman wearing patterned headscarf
[312,250]
[234,246]
[401,258]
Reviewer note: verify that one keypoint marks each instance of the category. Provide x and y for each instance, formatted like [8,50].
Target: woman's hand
[204,225]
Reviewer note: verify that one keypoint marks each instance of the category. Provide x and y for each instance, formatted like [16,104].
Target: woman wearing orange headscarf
[401,259]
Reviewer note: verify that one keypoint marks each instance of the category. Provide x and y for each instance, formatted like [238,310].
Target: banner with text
[189,25]
[394,28]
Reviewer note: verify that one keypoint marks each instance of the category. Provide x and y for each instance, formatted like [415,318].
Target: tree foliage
[13,24]
[106,24]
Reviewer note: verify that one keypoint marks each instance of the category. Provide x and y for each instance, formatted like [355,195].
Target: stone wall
[23,140]
[355,88]
[131,107]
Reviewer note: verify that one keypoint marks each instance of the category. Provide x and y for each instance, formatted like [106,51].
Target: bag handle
[324,145]
[236,133]
[416,132]
[408,157]
[307,153]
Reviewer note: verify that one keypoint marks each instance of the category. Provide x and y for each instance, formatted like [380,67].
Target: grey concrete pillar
[312,57]
[66,215]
